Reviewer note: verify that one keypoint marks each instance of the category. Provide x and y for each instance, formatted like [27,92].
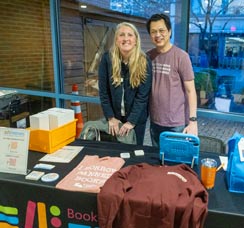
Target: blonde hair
[137,61]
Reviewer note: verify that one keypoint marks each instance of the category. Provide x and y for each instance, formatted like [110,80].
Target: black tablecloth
[78,209]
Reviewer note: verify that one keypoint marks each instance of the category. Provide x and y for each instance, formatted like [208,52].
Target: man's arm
[191,128]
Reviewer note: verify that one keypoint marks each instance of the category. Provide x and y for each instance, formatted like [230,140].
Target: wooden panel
[84,38]
[94,111]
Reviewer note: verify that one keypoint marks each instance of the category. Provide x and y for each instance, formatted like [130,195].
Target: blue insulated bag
[235,168]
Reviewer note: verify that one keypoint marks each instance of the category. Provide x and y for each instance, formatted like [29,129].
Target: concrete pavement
[207,126]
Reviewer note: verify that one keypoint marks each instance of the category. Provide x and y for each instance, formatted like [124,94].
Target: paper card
[34,175]
[224,160]
[241,149]
[63,155]
[222,104]
[14,150]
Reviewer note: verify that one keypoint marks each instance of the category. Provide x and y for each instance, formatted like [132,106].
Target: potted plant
[205,85]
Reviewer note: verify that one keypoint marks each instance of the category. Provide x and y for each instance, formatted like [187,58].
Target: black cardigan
[135,99]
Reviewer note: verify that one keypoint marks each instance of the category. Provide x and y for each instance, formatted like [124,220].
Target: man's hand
[191,128]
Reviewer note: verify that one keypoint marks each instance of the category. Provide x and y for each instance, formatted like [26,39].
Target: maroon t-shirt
[149,196]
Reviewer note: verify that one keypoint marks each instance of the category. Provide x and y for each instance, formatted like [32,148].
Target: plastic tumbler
[208,172]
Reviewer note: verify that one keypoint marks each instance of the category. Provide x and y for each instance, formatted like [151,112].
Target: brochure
[63,155]
[14,150]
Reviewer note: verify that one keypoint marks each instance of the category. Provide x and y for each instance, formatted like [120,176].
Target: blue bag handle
[179,147]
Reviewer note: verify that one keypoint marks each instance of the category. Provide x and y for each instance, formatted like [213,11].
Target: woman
[125,78]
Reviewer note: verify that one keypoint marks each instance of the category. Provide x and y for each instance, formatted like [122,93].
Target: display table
[30,204]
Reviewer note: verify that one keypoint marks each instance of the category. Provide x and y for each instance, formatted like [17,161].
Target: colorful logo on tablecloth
[8,217]
[72,225]
[55,221]
[41,209]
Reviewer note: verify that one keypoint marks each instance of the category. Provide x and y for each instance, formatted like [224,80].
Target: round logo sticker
[50,177]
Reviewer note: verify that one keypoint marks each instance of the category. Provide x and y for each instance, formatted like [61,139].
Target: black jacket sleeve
[104,75]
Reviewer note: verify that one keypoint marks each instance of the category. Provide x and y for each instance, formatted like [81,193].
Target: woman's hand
[125,129]
[113,126]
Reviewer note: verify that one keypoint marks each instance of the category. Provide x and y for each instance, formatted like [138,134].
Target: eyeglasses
[160,31]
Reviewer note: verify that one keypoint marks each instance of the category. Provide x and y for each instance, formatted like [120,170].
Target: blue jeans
[156,130]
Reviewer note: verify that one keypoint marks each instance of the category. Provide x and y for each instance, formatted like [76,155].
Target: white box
[69,113]
[39,121]
[56,120]
[59,117]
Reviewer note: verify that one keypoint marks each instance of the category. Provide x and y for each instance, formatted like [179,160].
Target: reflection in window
[216,44]
[15,108]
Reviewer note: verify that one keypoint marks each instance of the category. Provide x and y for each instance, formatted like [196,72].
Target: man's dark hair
[157,17]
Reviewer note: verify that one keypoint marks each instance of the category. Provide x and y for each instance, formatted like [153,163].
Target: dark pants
[156,130]
[140,133]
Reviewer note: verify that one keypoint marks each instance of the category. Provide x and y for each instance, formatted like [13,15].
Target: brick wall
[25,44]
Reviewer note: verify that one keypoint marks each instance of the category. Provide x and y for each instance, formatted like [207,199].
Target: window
[216,43]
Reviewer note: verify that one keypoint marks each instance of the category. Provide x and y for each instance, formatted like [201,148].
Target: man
[173,101]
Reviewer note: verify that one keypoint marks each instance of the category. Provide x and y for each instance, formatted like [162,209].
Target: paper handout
[14,150]
[63,155]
